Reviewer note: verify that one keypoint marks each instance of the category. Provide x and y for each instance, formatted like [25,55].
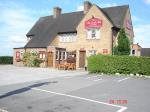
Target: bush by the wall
[31,59]
[119,64]
[6,59]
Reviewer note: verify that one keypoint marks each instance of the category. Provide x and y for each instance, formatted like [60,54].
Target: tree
[123,47]
[31,59]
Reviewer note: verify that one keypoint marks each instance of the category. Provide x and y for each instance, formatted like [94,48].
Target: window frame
[42,54]
[68,37]
[93,33]
[57,54]
[92,52]
[21,54]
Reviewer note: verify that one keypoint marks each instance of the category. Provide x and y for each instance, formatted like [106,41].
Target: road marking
[68,77]
[93,76]
[2,110]
[124,79]
[97,80]
[122,108]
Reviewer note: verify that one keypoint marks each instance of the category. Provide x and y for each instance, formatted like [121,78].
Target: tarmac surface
[71,91]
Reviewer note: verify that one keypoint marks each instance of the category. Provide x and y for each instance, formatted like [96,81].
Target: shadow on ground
[22,90]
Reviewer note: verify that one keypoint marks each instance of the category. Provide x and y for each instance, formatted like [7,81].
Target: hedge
[119,64]
[6,60]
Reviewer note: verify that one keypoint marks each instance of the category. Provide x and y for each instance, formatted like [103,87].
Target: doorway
[50,59]
[82,55]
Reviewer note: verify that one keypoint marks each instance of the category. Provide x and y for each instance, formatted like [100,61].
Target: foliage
[31,59]
[123,47]
[6,59]
[119,64]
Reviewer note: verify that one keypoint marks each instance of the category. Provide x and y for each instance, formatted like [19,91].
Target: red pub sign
[93,23]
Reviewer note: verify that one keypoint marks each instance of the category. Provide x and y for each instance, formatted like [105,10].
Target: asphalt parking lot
[81,92]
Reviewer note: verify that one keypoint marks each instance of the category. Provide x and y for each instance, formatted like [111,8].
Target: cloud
[136,19]
[147,1]
[15,21]
[142,35]
[80,8]
[108,4]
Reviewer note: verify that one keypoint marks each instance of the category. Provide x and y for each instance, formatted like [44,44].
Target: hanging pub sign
[17,55]
[93,23]
[128,24]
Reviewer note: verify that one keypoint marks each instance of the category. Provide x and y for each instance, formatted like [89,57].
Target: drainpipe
[112,41]
[46,59]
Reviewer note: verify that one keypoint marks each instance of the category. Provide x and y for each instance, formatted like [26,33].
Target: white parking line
[122,108]
[2,110]
[93,76]
[98,80]
[68,77]
[124,79]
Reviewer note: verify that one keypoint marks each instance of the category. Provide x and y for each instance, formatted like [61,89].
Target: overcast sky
[18,16]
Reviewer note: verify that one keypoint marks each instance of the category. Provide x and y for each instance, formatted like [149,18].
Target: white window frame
[64,55]
[21,54]
[93,31]
[60,55]
[92,52]
[57,54]
[68,37]
[42,55]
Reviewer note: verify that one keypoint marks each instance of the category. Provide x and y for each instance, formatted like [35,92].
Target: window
[61,55]
[68,37]
[92,52]
[93,33]
[42,54]
[21,54]
[64,55]
[57,55]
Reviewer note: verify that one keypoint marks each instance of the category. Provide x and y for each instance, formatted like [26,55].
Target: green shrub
[119,64]
[31,59]
[6,60]
[123,47]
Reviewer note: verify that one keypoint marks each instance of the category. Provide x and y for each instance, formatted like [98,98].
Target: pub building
[76,35]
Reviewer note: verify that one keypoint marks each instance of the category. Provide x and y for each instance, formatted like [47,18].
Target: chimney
[56,12]
[87,6]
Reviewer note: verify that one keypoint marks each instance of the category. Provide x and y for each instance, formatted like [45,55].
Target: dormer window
[68,37]
[29,38]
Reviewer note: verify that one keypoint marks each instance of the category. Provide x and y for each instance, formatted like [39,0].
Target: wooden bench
[66,66]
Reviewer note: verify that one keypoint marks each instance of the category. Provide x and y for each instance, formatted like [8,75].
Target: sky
[18,16]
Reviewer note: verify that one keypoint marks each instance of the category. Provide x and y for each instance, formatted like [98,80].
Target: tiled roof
[145,52]
[46,28]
